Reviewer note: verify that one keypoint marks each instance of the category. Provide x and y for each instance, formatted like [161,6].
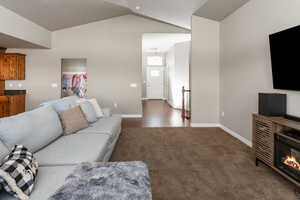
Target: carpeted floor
[200,164]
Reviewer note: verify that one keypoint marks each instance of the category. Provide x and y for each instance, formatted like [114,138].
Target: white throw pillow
[88,111]
[95,105]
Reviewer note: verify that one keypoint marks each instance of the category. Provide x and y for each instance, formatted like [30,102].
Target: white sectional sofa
[41,132]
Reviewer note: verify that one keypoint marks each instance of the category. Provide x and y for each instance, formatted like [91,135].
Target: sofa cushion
[107,112]
[72,120]
[89,111]
[107,125]
[95,105]
[74,149]
[3,151]
[34,129]
[49,179]
[62,104]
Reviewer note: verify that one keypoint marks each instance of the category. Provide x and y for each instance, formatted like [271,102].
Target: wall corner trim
[236,135]
[132,116]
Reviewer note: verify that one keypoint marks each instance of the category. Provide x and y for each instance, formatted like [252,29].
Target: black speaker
[272,104]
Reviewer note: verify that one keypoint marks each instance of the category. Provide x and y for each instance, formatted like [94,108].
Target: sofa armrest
[107,112]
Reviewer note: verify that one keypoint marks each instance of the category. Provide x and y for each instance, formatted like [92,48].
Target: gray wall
[245,60]
[113,49]
[205,67]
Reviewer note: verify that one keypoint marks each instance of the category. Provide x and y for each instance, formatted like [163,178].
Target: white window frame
[158,62]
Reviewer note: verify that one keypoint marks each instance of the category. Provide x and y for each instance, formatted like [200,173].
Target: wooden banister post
[183,104]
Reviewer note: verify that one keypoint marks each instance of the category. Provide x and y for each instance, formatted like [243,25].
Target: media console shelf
[276,142]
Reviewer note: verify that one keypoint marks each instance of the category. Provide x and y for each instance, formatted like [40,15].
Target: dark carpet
[200,164]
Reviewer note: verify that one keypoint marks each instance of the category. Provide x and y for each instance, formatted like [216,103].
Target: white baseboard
[132,116]
[236,135]
[231,132]
[205,125]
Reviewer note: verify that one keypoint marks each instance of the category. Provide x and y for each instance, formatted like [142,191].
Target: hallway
[157,113]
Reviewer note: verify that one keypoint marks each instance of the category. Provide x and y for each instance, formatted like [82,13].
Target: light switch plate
[133,85]
[54,85]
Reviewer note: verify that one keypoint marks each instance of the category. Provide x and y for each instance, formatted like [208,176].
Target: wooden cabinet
[2,87]
[16,104]
[12,105]
[265,131]
[4,106]
[12,66]
[21,67]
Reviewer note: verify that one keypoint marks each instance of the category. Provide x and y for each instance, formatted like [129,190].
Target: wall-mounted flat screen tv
[285,57]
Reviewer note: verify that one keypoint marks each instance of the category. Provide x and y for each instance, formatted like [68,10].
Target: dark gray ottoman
[107,181]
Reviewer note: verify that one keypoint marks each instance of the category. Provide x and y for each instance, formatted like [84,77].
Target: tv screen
[285,57]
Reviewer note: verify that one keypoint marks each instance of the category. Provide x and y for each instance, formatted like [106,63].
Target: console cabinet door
[263,140]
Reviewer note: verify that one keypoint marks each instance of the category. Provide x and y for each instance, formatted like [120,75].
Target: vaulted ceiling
[219,9]
[60,14]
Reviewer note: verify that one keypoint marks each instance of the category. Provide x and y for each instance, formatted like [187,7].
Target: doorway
[74,77]
[165,72]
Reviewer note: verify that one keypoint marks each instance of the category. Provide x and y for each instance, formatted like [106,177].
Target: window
[155,73]
[155,60]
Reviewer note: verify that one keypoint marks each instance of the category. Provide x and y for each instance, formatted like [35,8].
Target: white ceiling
[219,9]
[161,42]
[12,42]
[60,14]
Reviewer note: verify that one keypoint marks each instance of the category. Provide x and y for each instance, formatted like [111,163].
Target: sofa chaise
[41,132]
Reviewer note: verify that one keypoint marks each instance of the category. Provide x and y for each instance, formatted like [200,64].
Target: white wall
[113,49]
[205,68]
[182,62]
[18,27]
[246,63]
[170,62]
[178,59]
